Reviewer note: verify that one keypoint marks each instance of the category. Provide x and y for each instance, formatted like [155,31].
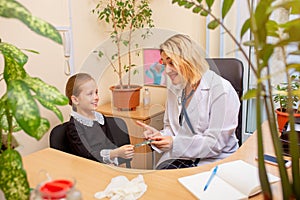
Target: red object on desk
[55,189]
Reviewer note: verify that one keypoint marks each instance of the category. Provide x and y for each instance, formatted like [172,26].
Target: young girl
[87,131]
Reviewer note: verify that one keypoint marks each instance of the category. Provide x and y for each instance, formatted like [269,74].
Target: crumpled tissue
[120,188]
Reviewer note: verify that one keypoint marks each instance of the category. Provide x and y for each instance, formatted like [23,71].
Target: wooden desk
[143,158]
[93,177]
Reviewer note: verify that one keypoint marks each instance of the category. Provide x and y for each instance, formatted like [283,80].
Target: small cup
[58,189]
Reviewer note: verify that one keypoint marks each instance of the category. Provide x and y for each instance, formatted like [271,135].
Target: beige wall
[87,36]
[48,64]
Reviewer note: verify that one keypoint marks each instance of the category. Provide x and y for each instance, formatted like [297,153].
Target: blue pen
[211,177]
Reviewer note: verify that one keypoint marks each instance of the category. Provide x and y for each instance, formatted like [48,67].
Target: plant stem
[118,39]
[10,129]
[276,143]
[293,137]
[265,185]
[1,142]
[129,47]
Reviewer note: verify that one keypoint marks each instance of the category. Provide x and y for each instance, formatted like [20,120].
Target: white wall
[87,35]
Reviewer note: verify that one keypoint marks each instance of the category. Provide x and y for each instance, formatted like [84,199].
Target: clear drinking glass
[58,189]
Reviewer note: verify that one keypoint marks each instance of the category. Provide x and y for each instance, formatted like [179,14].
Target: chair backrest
[58,138]
[118,129]
[232,70]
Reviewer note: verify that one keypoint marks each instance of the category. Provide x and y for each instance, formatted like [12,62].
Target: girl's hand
[125,151]
[164,143]
[149,132]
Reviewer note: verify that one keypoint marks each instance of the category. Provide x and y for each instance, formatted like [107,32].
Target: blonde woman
[201,110]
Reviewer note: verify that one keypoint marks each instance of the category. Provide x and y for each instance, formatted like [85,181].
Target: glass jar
[58,189]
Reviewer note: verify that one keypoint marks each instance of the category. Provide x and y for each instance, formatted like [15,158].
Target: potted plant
[262,27]
[125,17]
[281,98]
[19,109]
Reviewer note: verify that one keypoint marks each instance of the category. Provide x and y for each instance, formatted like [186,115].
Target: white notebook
[233,180]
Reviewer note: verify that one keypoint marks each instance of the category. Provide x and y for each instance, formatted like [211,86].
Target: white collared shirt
[213,112]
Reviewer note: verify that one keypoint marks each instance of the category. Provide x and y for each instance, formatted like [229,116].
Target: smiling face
[185,60]
[87,99]
[176,78]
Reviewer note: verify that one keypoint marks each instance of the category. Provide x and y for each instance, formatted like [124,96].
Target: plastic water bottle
[146,98]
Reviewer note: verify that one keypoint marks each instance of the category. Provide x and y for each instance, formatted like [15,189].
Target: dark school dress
[88,141]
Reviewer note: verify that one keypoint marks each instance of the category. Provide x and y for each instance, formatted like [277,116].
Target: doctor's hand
[149,132]
[164,143]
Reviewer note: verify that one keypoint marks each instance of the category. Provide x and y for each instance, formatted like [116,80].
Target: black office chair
[232,70]
[58,139]
[117,126]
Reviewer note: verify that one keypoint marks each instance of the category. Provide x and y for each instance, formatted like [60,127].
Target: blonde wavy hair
[187,57]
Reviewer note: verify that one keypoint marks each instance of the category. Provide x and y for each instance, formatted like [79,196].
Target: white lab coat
[213,113]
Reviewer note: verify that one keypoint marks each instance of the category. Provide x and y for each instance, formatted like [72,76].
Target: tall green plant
[262,27]
[19,103]
[124,17]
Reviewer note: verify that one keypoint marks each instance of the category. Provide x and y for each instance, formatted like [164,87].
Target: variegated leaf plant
[19,109]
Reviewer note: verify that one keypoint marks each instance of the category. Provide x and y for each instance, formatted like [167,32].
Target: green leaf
[11,159]
[204,13]
[135,71]
[213,24]
[226,7]
[249,43]
[31,51]
[266,53]
[294,6]
[295,52]
[4,124]
[9,50]
[290,24]
[182,3]
[209,3]
[295,66]
[125,43]
[188,5]
[245,27]
[250,94]
[12,71]
[272,28]
[13,178]
[197,9]
[261,16]
[114,56]
[13,9]
[51,107]
[41,130]
[292,28]
[47,92]
[23,106]
[100,54]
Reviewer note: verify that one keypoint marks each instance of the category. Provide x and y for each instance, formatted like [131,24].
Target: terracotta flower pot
[126,98]
[283,118]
